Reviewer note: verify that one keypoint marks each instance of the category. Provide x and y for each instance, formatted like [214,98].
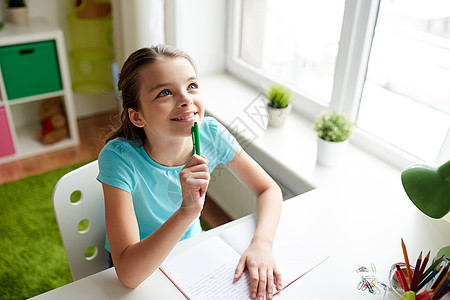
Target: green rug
[32,257]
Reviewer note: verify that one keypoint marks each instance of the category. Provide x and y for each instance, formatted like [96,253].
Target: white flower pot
[18,15]
[277,116]
[330,154]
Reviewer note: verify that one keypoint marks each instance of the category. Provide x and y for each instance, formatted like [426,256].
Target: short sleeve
[220,139]
[226,143]
[114,167]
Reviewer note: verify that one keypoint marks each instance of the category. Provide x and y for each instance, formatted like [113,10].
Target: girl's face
[170,99]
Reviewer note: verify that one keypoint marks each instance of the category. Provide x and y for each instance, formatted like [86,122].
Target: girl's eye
[192,86]
[164,93]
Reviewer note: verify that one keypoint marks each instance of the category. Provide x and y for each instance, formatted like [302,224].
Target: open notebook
[206,270]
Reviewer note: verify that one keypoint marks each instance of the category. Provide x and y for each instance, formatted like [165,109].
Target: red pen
[401,278]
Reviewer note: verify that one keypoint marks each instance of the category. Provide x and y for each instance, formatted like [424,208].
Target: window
[406,98]
[385,62]
[298,43]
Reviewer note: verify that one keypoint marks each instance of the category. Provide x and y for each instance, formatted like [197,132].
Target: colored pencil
[417,275]
[441,283]
[441,276]
[408,266]
[428,278]
[446,284]
[422,268]
[426,295]
[433,266]
[424,264]
[442,293]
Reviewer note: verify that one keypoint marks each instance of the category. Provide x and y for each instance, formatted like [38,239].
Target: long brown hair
[130,82]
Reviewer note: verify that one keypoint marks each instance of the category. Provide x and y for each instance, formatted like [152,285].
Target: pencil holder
[393,290]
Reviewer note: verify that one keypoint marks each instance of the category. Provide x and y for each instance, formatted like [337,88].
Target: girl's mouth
[187,118]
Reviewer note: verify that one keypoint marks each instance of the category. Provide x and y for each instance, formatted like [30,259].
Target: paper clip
[369,283]
[362,269]
[366,285]
[374,284]
[361,285]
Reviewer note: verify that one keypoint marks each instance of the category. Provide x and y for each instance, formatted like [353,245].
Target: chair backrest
[80,213]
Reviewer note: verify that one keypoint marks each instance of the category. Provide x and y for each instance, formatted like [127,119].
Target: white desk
[360,226]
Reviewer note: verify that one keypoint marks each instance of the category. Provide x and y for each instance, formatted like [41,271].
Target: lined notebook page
[295,252]
[206,271]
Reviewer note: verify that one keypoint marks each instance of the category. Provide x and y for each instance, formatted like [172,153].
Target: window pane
[294,41]
[406,96]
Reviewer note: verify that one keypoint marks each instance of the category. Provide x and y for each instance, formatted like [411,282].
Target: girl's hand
[259,260]
[194,179]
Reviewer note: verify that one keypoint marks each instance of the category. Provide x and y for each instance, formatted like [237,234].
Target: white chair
[80,213]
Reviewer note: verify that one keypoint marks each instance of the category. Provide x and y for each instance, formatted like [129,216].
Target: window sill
[289,153]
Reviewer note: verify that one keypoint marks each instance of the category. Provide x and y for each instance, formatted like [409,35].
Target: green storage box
[30,69]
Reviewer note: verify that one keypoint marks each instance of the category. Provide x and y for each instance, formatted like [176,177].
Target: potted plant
[17,11]
[333,131]
[279,104]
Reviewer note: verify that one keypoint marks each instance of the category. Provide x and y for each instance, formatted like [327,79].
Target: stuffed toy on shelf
[53,121]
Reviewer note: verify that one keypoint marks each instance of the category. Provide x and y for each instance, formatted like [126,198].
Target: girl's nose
[185,100]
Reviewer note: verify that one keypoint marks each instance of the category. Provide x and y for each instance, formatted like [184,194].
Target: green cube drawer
[30,69]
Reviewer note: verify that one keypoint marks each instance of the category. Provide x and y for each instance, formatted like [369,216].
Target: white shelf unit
[22,114]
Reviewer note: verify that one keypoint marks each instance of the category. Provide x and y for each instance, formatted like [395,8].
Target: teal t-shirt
[155,188]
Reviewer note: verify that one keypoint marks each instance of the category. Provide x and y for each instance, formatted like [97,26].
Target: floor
[92,131]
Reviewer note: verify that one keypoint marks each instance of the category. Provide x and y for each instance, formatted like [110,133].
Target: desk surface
[359,226]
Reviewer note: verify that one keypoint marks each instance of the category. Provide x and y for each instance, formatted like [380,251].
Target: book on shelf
[206,270]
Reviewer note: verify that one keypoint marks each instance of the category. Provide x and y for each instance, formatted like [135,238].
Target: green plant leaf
[278,96]
[333,126]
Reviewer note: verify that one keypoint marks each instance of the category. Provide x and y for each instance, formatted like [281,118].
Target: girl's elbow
[127,278]
[127,282]
[277,191]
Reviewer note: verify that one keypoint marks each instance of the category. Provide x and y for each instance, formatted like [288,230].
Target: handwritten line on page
[206,270]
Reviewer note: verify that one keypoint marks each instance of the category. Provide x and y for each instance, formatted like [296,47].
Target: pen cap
[196,138]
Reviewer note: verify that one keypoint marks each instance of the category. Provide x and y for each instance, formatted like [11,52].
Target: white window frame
[351,63]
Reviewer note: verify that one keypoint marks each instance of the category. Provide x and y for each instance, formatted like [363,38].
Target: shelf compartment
[28,144]
[30,69]
[6,142]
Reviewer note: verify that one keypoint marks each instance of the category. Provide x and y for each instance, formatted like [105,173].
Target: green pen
[196,138]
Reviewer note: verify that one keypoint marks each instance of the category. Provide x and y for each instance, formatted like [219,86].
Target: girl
[153,184]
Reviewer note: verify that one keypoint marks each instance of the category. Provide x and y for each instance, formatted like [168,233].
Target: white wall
[53,11]
[137,24]
[200,31]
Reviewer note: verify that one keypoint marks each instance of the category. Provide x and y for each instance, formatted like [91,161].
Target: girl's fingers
[239,269]
[254,281]
[195,160]
[278,281]
[270,283]
[262,283]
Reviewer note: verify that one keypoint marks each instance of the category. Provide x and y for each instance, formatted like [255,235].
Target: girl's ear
[136,118]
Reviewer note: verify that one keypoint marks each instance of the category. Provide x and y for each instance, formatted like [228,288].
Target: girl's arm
[135,259]
[258,257]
